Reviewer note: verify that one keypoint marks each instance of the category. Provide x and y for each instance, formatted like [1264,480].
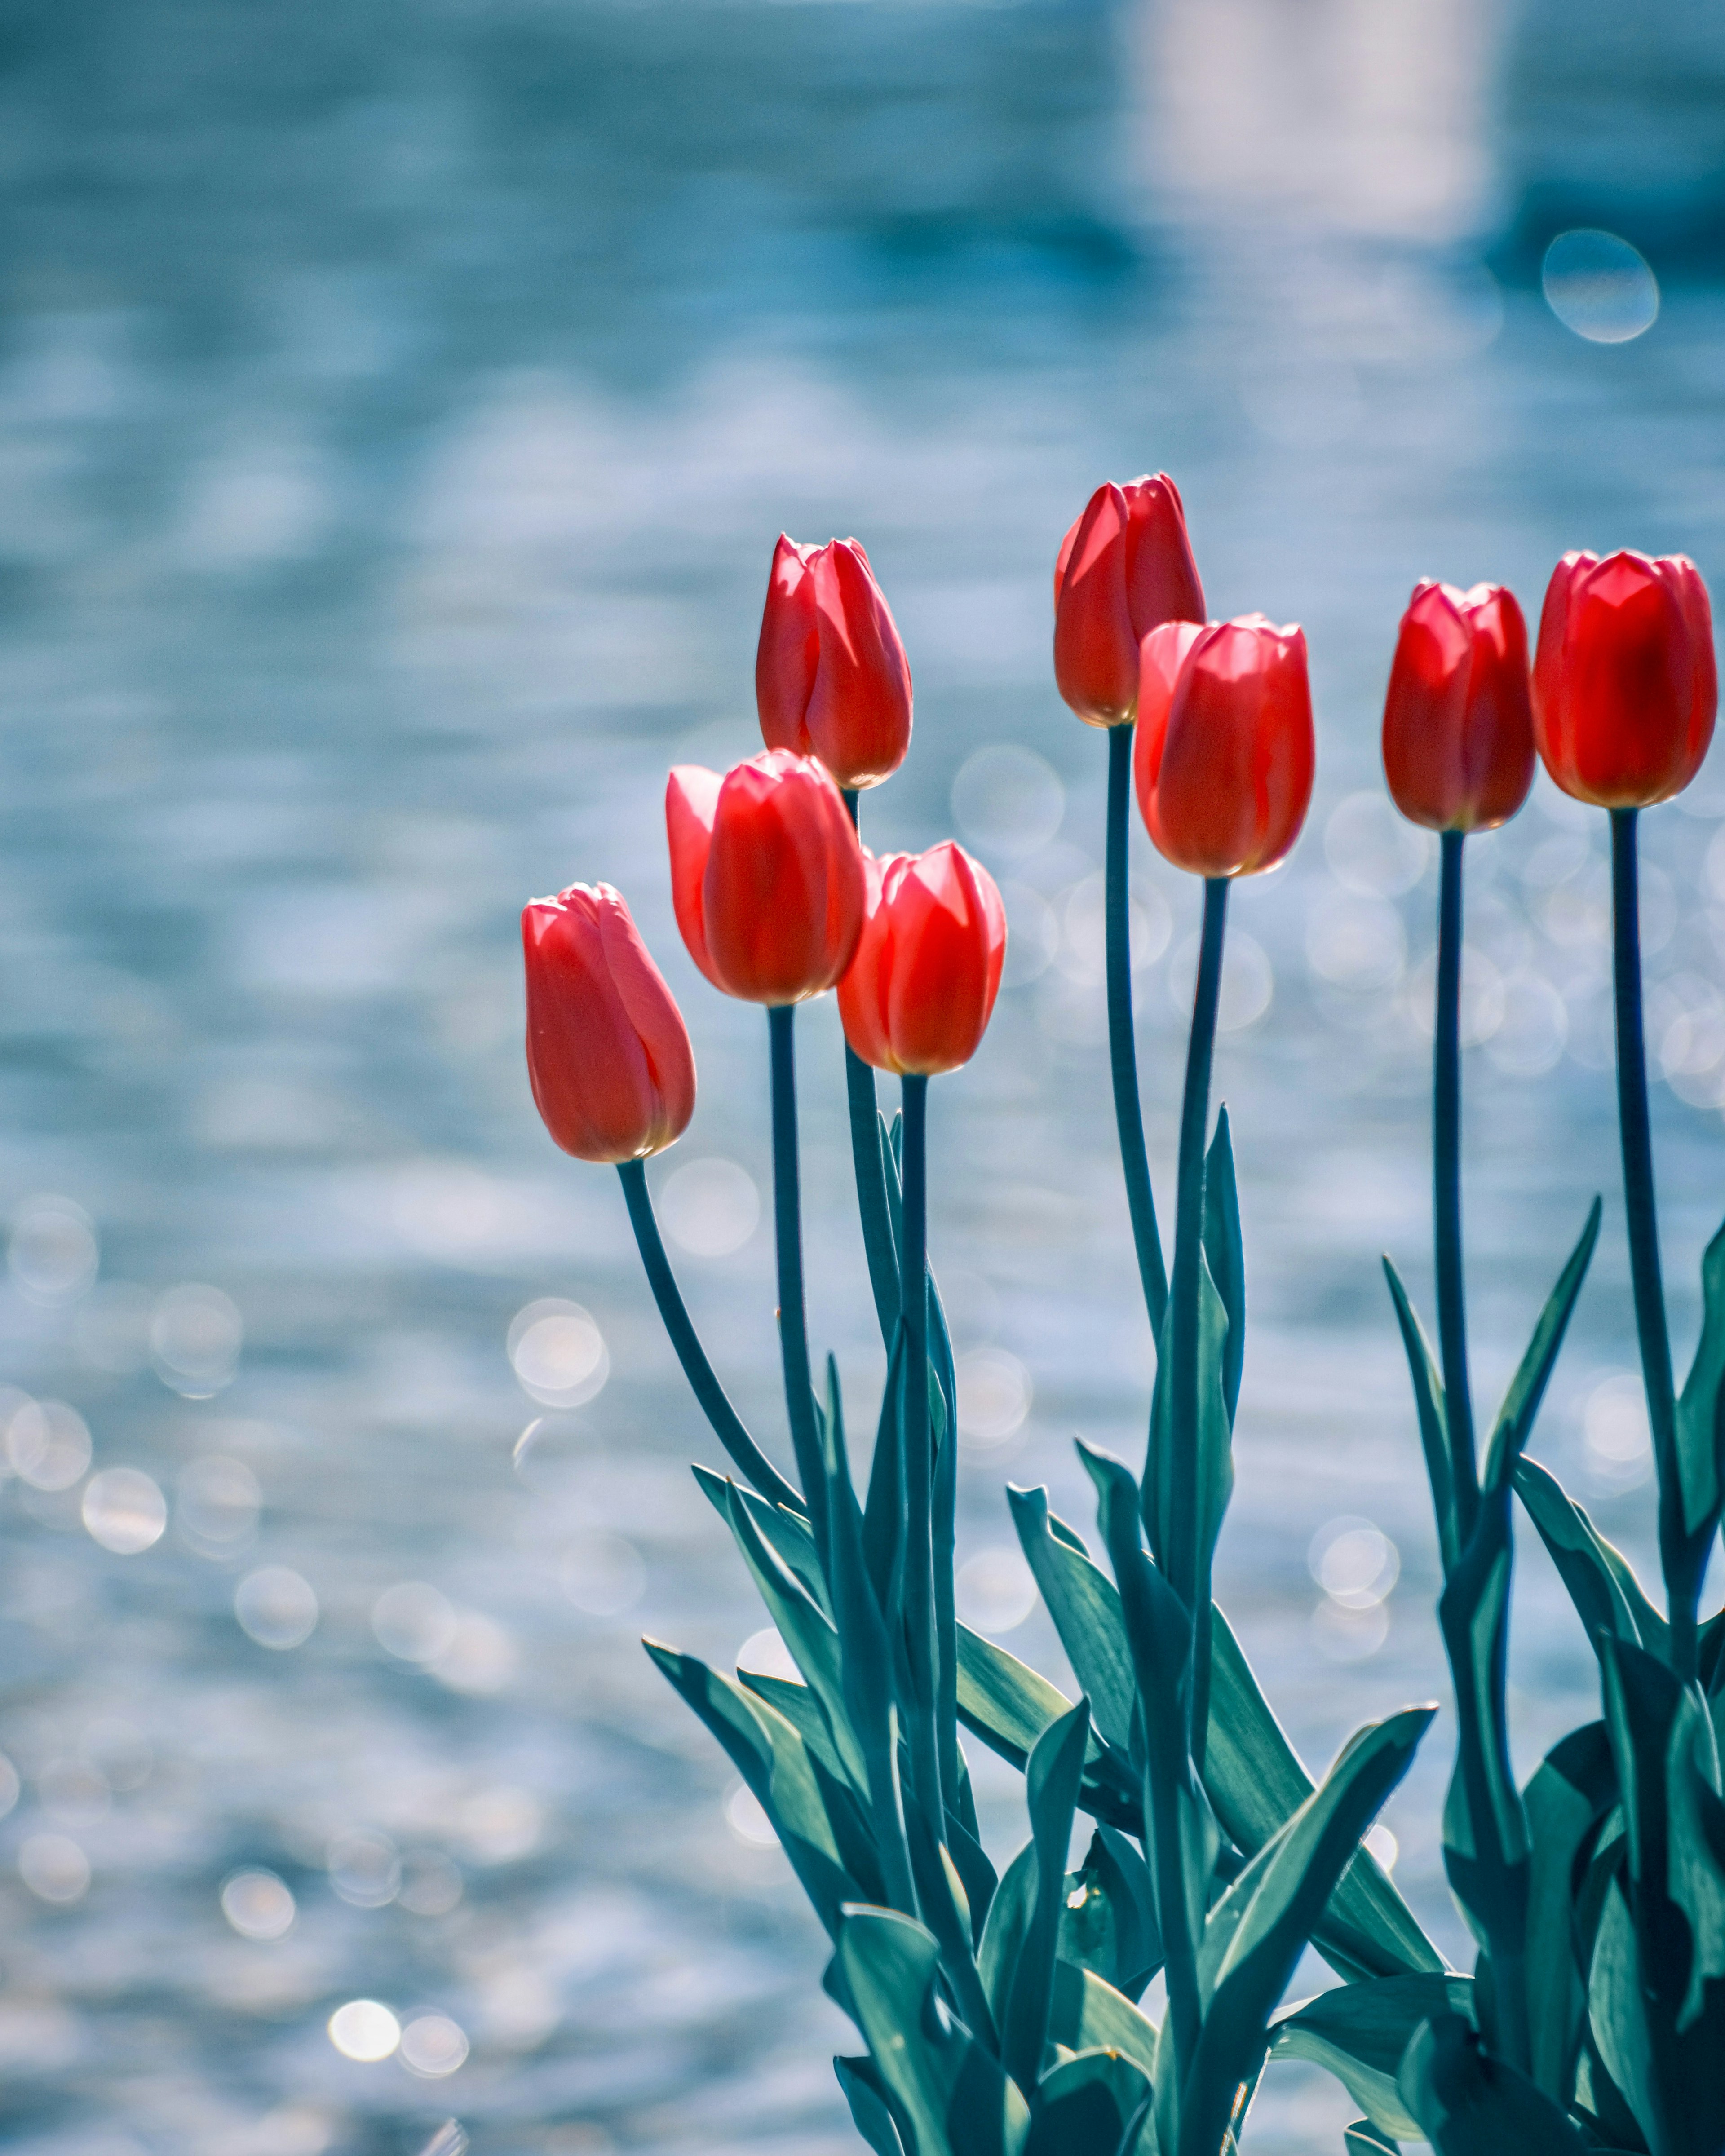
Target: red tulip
[1224,755]
[1625,687]
[608,1053]
[831,679]
[1458,725]
[766,875]
[919,993]
[1125,568]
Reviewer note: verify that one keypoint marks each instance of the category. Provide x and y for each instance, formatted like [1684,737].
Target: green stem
[1123,1046]
[1189,1564]
[787,1223]
[870,1175]
[919,1461]
[1682,1589]
[1446,1179]
[727,1424]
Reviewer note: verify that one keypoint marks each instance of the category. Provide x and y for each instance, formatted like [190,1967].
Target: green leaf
[1089,2015]
[884,1511]
[1052,1780]
[1085,2104]
[807,1633]
[1010,1917]
[1434,1419]
[1085,1605]
[1108,1920]
[1211,1444]
[1607,1595]
[801,1708]
[1520,1404]
[1470,2104]
[1575,1784]
[952,2095]
[1257,1930]
[1359,2032]
[865,2093]
[1256,1783]
[785,1532]
[1362,2138]
[771,1758]
[1698,1465]
[1617,2014]
[1006,1703]
[1225,1254]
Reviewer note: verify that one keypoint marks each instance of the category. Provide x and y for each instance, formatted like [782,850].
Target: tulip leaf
[1514,1424]
[952,2095]
[1434,1417]
[1574,1786]
[1602,1583]
[1089,2015]
[1210,1445]
[1085,1605]
[1360,2031]
[785,1532]
[1698,1410]
[871,2107]
[1256,1783]
[1108,1918]
[1362,2138]
[1225,1253]
[771,1758]
[1469,2103]
[1010,1917]
[884,1510]
[1085,2104]
[1051,1781]
[1008,1706]
[1256,1932]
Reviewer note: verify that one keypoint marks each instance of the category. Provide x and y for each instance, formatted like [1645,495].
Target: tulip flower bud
[766,875]
[1625,686]
[919,994]
[1125,568]
[831,679]
[608,1053]
[1224,755]
[1458,725]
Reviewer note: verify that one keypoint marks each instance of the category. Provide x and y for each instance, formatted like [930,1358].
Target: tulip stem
[870,1173]
[1681,1576]
[1446,1189]
[1188,1559]
[787,1224]
[919,1461]
[727,1425]
[1123,1046]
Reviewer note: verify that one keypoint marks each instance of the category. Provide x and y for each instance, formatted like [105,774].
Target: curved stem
[870,1175]
[1122,1047]
[727,1425]
[919,1460]
[1447,1192]
[787,1224]
[1682,1592]
[1188,1566]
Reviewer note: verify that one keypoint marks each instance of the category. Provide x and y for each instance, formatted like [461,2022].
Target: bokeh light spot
[1599,286]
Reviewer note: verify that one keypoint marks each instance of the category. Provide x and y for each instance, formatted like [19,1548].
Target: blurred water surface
[398,406]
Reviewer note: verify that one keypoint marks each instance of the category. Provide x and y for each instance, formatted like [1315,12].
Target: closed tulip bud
[608,1053]
[831,679]
[1125,568]
[766,875]
[918,998]
[1625,687]
[1458,724]
[1224,755]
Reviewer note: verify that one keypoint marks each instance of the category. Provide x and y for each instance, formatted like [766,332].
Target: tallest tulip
[831,679]
[1125,568]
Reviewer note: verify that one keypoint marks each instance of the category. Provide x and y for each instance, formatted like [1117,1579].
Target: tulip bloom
[608,1053]
[1224,755]
[766,875]
[1458,724]
[919,994]
[1625,688]
[1125,568]
[831,679]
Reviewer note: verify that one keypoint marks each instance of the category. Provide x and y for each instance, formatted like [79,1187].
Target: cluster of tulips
[1002,2010]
